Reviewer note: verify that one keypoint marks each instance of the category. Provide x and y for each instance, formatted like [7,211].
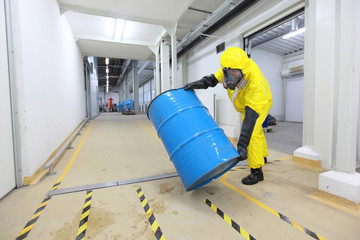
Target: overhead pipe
[211,19]
[233,13]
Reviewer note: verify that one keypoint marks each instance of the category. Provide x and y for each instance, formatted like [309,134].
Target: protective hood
[235,58]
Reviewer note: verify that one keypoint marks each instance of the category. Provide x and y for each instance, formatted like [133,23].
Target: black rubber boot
[255,176]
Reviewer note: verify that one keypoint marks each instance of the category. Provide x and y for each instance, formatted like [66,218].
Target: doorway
[7,163]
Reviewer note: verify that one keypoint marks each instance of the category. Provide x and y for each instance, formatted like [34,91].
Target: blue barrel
[120,107]
[129,104]
[197,146]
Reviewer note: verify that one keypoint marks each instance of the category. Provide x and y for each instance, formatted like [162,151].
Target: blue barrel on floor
[197,146]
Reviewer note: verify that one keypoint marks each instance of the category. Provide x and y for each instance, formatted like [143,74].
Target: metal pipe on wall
[67,145]
[233,13]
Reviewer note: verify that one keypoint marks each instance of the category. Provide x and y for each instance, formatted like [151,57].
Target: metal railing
[67,145]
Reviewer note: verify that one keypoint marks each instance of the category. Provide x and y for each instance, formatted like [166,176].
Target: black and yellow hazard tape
[84,217]
[272,211]
[154,225]
[233,224]
[30,224]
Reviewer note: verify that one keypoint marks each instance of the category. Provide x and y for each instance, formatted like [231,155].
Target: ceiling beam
[69,7]
[181,13]
[104,39]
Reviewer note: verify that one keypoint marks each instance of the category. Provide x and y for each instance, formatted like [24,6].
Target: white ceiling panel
[142,32]
[142,22]
[113,50]
[85,24]
[154,11]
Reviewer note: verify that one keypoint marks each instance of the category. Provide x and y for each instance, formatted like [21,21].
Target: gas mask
[232,78]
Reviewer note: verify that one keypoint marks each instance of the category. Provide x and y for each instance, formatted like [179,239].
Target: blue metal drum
[197,146]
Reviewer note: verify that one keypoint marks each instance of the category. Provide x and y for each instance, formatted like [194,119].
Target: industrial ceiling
[122,29]
[119,29]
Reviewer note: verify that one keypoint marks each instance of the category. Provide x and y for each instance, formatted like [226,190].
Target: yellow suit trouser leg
[257,148]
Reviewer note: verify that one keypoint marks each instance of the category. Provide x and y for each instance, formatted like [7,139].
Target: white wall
[271,65]
[50,80]
[358,145]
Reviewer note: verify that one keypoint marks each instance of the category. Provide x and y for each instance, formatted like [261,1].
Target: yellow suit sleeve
[219,75]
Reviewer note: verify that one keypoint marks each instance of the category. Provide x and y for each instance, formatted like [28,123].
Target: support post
[136,88]
[165,73]
[155,50]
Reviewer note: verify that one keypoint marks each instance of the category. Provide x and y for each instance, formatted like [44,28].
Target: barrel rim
[147,112]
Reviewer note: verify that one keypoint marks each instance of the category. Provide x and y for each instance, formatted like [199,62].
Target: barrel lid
[147,112]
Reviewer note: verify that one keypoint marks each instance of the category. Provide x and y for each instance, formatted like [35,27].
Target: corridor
[114,147]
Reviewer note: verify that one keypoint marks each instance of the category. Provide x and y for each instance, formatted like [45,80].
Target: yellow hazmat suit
[255,94]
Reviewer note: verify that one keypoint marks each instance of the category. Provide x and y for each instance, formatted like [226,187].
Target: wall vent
[220,47]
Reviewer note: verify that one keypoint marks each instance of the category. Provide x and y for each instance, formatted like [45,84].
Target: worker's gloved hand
[242,150]
[193,85]
[203,83]
[246,131]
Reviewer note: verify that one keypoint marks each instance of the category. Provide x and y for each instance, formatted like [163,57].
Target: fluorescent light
[119,29]
[107,61]
[107,77]
[294,33]
[107,70]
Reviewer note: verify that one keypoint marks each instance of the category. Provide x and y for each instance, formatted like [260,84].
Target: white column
[307,150]
[348,87]
[165,69]
[183,70]
[136,87]
[175,83]
[155,50]
[343,181]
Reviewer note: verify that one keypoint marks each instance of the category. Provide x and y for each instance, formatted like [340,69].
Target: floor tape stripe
[154,224]
[277,214]
[232,223]
[149,130]
[30,224]
[84,217]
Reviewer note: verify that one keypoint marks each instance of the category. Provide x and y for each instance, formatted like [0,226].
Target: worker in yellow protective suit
[250,94]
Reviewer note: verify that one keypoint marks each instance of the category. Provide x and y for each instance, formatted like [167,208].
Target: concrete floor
[115,147]
[286,137]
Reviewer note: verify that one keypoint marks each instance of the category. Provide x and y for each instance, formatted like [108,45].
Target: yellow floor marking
[223,180]
[28,228]
[74,156]
[149,130]
[82,228]
[260,204]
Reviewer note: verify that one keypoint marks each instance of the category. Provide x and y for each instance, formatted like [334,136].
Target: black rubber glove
[203,83]
[247,129]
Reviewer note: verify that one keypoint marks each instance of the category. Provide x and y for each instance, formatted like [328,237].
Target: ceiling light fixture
[107,70]
[107,61]
[119,29]
[293,33]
